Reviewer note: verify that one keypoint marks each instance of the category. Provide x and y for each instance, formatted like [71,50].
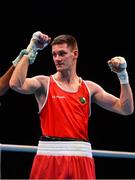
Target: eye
[62,53]
[54,54]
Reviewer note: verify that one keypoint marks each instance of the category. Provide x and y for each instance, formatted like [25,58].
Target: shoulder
[92,86]
[41,78]
[91,83]
[40,81]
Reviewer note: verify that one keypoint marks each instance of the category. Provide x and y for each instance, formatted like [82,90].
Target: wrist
[123,77]
[32,56]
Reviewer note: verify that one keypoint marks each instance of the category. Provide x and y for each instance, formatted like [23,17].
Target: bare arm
[124,104]
[19,82]
[4,80]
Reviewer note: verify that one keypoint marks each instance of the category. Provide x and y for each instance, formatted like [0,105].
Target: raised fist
[38,41]
[117,64]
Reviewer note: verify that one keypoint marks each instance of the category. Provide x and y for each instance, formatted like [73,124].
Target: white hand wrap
[122,73]
[123,77]
[35,41]
[31,55]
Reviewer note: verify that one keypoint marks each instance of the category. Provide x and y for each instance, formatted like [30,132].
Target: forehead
[59,47]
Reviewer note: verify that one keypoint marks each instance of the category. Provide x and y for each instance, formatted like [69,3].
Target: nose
[57,58]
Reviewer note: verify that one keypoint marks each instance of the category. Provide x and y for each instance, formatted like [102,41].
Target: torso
[65,113]
[41,94]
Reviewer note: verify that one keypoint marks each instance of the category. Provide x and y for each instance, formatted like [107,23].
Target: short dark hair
[65,38]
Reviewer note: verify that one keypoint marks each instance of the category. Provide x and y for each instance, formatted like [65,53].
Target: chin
[60,69]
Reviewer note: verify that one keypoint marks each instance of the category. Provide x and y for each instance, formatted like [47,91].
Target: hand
[117,64]
[38,41]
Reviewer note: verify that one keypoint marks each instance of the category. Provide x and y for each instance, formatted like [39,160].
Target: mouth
[59,64]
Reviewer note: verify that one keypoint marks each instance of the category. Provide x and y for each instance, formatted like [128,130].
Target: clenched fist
[117,64]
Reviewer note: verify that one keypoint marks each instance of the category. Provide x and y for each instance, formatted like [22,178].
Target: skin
[65,60]
[4,80]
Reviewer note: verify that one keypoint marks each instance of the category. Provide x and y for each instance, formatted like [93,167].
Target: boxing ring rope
[96,153]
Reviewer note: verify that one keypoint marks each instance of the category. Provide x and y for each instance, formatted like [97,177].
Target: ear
[76,53]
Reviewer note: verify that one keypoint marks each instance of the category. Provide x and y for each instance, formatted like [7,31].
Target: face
[64,57]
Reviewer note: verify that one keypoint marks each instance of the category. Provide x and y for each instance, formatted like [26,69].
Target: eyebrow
[59,52]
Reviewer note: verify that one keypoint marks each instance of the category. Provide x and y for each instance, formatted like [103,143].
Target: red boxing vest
[66,114]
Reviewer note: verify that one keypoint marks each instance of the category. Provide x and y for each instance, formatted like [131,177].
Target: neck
[66,76]
[68,82]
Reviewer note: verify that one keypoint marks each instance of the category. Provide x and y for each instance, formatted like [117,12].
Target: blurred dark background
[102,31]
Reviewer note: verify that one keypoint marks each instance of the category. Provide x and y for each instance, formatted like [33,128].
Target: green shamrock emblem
[82,100]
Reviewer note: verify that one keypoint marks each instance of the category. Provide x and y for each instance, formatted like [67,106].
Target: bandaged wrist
[18,58]
[32,56]
[123,77]
[32,46]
